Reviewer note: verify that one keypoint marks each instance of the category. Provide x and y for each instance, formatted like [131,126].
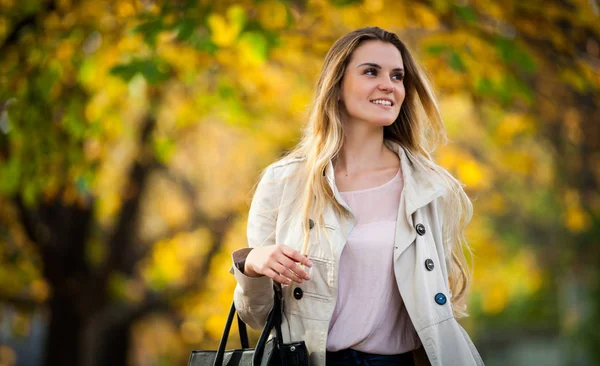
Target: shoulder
[286,167]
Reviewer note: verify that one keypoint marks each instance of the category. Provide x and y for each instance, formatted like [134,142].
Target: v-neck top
[370,315]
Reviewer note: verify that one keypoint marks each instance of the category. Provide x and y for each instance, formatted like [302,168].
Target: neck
[363,149]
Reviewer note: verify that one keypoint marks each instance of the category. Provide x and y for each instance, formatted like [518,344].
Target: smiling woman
[373,83]
[358,225]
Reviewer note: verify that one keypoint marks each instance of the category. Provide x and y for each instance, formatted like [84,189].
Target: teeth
[383,102]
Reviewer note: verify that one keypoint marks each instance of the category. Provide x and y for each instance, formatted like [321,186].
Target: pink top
[369,315]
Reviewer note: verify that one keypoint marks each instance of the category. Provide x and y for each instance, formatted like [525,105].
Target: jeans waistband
[357,357]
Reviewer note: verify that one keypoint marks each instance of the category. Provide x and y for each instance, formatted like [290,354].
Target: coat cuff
[246,282]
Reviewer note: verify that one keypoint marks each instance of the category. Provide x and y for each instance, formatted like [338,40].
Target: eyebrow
[378,67]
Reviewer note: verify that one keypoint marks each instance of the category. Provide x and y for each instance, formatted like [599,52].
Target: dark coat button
[298,293]
[311,223]
[429,265]
[440,298]
[420,229]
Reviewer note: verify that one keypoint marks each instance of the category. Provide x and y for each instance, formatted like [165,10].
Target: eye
[398,76]
[369,71]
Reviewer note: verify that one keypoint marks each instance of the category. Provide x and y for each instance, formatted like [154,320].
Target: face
[372,86]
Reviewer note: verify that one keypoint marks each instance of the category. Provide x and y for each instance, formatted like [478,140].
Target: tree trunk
[63,343]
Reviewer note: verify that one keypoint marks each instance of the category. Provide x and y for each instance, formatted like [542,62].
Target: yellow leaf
[471,174]
[214,325]
[352,16]
[513,125]
[272,14]
[495,204]
[223,31]
[495,300]
[425,16]
[192,332]
[125,9]
[576,219]
[40,289]
[373,6]
[3,27]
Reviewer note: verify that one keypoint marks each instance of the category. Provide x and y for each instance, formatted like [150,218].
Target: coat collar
[420,186]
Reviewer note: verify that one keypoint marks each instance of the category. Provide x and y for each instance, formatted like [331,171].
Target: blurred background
[132,133]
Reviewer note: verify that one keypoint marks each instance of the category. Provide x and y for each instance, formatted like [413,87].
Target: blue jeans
[349,357]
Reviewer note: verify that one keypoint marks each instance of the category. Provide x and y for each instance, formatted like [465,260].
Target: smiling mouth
[382,102]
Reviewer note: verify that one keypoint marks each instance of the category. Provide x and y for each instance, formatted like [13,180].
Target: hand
[278,262]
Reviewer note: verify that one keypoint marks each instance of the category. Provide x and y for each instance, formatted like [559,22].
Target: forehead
[382,53]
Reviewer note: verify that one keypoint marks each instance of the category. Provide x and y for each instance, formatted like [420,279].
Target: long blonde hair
[419,129]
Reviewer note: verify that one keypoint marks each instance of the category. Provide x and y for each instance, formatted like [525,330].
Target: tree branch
[122,241]
[24,302]
[30,20]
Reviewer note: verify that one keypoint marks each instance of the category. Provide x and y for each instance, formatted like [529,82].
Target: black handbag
[268,352]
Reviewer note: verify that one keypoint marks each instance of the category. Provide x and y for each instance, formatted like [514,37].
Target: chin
[383,123]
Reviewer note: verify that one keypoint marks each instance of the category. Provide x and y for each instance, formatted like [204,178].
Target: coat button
[429,265]
[298,293]
[420,229]
[311,223]
[440,298]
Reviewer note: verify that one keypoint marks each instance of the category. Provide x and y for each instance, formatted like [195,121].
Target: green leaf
[456,62]
[163,148]
[150,30]
[466,13]
[237,15]
[124,71]
[74,121]
[257,43]
[10,173]
[484,86]
[154,71]
[511,53]
[185,28]
[225,91]
[200,40]
[341,3]
[435,49]
[30,193]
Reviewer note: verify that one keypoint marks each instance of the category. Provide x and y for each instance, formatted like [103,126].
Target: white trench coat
[418,238]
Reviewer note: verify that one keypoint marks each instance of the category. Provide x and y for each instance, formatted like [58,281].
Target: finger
[296,256]
[277,277]
[299,271]
[284,271]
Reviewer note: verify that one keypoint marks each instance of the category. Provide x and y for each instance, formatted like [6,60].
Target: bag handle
[273,320]
[223,343]
[243,332]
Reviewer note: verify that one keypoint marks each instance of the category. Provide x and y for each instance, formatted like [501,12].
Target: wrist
[248,271]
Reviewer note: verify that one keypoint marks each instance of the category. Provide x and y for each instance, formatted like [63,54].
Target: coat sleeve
[253,296]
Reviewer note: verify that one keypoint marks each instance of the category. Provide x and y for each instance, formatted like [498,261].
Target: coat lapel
[420,189]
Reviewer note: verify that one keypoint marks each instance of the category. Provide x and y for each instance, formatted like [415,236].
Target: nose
[386,86]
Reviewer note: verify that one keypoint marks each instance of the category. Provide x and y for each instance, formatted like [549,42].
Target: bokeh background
[132,134]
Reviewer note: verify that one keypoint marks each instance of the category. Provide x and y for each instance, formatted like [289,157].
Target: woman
[359,225]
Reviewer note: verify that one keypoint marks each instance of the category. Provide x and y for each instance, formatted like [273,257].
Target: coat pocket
[313,299]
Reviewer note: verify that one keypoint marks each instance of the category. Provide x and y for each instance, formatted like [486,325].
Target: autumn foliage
[132,134]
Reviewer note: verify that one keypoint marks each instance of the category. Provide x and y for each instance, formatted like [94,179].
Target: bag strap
[223,343]
[243,332]
[273,320]
[278,314]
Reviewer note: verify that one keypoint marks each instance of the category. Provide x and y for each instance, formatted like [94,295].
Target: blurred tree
[132,132]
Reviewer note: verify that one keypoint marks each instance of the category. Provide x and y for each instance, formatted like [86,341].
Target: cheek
[401,93]
[354,89]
